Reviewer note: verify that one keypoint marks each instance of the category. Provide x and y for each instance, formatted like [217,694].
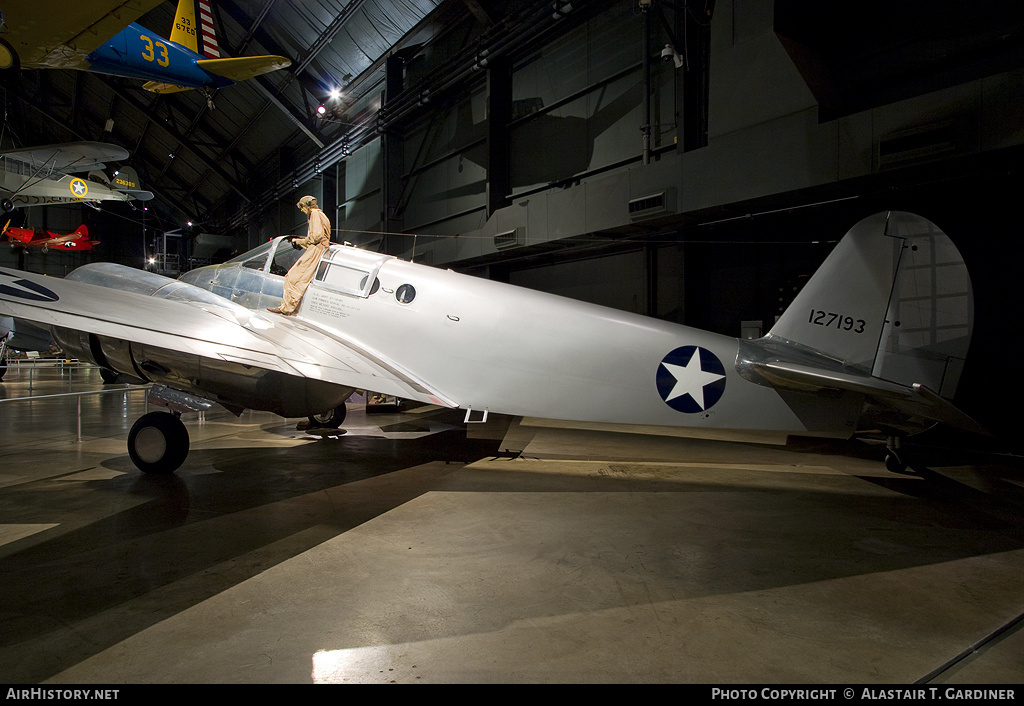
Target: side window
[350,271]
[405,294]
[256,263]
[338,276]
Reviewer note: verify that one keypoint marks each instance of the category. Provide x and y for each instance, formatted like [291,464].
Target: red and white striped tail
[207,37]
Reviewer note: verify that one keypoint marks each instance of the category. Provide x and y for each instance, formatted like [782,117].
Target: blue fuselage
[135,52]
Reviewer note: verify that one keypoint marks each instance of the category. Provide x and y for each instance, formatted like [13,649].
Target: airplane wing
[59,34]
[218,330]
[916,399]
[70,157]
[241,68]
[22,235]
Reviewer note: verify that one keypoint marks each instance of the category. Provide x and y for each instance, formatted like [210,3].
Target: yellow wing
[58,34]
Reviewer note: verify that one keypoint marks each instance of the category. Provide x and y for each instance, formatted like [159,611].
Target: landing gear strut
[158,443]
[894,459]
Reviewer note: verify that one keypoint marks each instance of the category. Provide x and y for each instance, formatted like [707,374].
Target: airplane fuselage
[136,52]
[879,335]
[29,191]
[489,346]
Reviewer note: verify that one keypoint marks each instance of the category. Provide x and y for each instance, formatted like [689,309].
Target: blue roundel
[691,379]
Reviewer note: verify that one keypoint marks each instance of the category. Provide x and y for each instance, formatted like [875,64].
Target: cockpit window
[258,253]
[284,257]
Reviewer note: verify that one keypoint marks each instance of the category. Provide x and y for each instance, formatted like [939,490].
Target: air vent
[511,239]
[652,205]
[917,144]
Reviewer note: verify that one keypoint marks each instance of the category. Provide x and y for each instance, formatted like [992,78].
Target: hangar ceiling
[209,162]
[218,166]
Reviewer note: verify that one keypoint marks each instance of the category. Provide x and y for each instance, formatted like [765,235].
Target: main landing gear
[331,419]
[158,443]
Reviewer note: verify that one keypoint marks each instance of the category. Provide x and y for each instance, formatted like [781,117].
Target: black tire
[109,376]
[331,419]
[3,370]
[158,443]
[894,464]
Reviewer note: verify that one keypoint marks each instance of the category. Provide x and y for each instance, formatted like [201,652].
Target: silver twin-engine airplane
[877,338]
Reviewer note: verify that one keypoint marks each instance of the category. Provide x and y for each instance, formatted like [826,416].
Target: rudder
[193,28]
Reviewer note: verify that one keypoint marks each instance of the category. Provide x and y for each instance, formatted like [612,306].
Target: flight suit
[316,243]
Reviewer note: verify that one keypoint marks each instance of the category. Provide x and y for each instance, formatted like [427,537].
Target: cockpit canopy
[255,279]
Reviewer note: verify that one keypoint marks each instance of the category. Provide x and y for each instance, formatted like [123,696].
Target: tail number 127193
[843,323]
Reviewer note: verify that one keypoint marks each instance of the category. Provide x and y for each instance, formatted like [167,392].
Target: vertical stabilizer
[185,29]
[893,300]
[840,312]
[194,30]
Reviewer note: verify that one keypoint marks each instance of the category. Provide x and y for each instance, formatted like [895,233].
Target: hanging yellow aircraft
[92,36]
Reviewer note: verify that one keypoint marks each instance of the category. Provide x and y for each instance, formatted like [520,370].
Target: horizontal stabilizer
[915,399]
[161,87]
[140,195]
[241,68]
[126,180]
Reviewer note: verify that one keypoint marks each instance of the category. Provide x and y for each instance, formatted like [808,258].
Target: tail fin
[195,33]
[82,230]
[126,180]
[893,300]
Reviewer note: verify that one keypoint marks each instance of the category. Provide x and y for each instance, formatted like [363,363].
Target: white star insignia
[691,379]
[78,187]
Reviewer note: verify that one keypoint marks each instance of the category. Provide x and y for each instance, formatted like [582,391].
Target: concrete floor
[399,550]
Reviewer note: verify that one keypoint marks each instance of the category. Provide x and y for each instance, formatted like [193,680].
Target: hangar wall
[746,214]
[575,141]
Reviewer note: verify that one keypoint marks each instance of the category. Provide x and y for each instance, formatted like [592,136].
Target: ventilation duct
[510,239]
[917,144]
[652,205]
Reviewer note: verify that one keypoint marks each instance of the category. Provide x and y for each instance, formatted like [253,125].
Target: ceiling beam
[181,140]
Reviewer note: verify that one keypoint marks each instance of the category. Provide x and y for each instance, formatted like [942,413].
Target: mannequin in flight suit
[316,242]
